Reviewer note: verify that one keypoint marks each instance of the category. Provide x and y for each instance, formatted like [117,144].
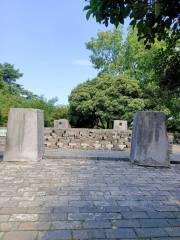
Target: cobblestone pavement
[86,199]
[100,154]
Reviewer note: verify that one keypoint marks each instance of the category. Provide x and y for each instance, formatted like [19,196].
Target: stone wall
[82,138]
[2,138]
[79,138]
[2,143]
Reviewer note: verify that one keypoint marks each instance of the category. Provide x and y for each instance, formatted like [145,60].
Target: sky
[45,39]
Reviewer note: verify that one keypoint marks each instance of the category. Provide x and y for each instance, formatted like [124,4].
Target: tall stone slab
[149,146]
[61,124]
[25,135]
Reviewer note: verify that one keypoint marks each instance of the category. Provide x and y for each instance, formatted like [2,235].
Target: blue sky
[45,40]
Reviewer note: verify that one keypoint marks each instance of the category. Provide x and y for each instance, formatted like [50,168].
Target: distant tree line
[13,94]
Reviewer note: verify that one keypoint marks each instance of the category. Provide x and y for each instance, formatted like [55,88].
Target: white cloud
[82,62]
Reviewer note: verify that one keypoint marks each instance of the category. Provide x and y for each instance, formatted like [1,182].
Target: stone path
[88,154]
[100,154]
[85,199]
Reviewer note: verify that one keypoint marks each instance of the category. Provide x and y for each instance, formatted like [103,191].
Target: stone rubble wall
[2,143]
[89,139]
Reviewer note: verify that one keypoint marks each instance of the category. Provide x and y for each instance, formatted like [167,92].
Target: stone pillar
[61,124]
[120,125]
[25,135]
[149,146]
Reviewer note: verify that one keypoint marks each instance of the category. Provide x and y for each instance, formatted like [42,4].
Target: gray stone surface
[61,124]
[87,139]
[84,199]
[25,135]
[87,154]
[149,146]
[120,125]
[3,131]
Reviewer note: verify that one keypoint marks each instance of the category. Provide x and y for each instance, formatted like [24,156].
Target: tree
[167,68]
[107,51]
[153,18]
[9,74]
[152,68]
[98,102]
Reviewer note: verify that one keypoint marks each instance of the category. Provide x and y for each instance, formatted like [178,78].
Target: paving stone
[39,210]
[165,238]
[116,209]
[91,209]
[80,234]
[161,215]
[65,209]
[97,224]
[151,232]
[55,235]
[102,216]
[96,234]
[174,222]
[66,225]
[13,210]
[4,218]
[126,223]
[120,233]
[153,223]
[20,235]
[23,217]
[81,216]
[35,226]
[9,226]
[173,231]
[132,215]
[142,198]
[52,217]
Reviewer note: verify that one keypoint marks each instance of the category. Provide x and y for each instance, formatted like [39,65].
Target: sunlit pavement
[88,199]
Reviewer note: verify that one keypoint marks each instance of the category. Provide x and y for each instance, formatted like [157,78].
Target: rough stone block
[97,146]
[121,147]
[120,125]
[61,124]
[109,146]
[149,145]
[25,135]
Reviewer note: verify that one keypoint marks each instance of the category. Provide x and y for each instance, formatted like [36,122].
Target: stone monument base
[25,135]
[149,146]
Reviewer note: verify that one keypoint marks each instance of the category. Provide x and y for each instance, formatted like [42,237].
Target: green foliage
[98,102]
[107,51]
[153,18]
[14,95]
[130,79]
[167,68]
[9,74]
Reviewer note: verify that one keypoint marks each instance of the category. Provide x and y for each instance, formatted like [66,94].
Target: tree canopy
[152,18]
[130,79]
[98,102]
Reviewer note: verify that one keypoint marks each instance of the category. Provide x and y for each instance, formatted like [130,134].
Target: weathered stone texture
[81,138]
[149,145]
[120,125]
[65,139]
[3,132]
[61,124]
[24,141]
[88,200]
